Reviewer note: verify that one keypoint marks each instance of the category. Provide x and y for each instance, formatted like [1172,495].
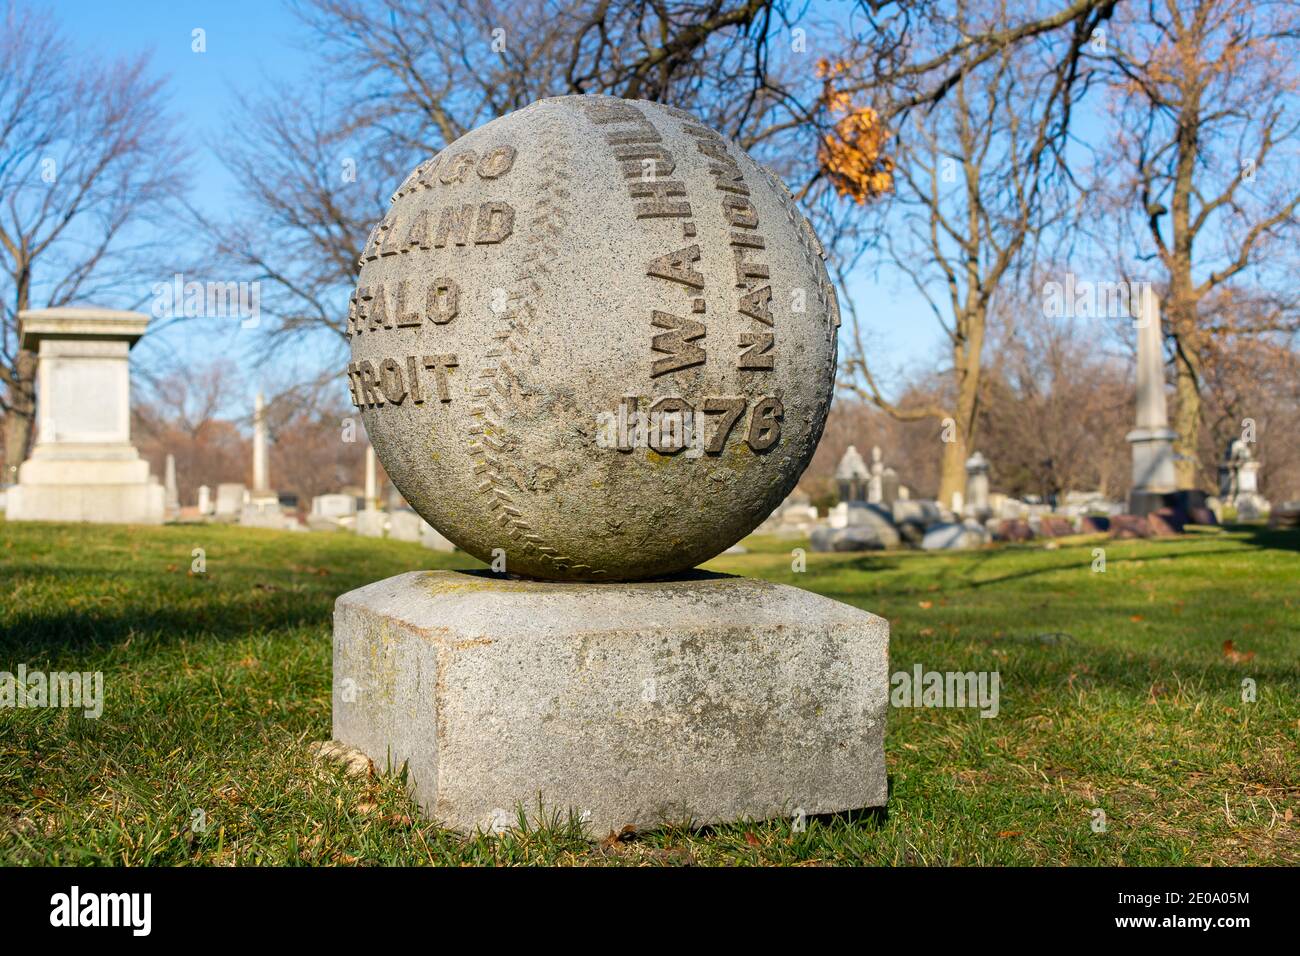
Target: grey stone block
[879,519]
[706,698]
[853,538]
[955,537]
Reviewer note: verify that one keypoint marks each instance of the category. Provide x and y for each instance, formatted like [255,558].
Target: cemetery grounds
[1125,732]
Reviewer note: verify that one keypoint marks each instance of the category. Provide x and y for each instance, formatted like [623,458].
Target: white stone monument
[333,506]
[262,509]
[372,480]
[977,488]
[83,466]
[876,483]
[205,504]
[891,491]
[1152,439]
[231,498]
[371,521]
[851,476]
[171,495]
[1239,481]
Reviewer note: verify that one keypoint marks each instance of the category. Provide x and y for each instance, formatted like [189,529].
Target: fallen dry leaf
[355,763]
[613,839]
[1236,656]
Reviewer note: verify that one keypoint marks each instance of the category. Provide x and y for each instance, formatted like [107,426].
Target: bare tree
[182,411]
[976,179]
[1055,407]
[1205,116]
[401,79]
[88,171]
[1250,386]
[405,79]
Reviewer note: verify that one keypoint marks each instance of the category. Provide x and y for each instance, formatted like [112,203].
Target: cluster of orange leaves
[852,155]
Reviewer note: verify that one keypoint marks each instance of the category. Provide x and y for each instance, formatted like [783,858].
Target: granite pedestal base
[701,699]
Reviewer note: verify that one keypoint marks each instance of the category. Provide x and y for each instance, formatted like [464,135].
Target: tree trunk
[1187,417]
[952,477]
[21,417]
[966,365]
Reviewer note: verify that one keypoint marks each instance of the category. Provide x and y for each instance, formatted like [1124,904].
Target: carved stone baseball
[593,338]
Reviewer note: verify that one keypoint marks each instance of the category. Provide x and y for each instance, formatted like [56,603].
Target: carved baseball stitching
[489,437]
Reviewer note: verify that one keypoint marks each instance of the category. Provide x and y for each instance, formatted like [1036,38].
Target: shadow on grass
[1274,539]
[979,559]
[874,817]
[118,605]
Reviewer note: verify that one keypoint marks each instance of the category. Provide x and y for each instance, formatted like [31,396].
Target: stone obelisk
[372,479]
[172,500]
[370,520]
[260,481]
[263,507]
[1152,439]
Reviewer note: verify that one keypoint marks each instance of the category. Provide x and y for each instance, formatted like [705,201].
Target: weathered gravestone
[857,527]
[262,509]
[83,466]
[329,511]
[334,506]
[977,488]
[433,539]
[852,476]
[404,525]
[171,497]
[582,263]
[954,536]
[231,496]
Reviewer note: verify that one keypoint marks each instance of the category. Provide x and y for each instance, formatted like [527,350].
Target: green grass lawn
[1117,696]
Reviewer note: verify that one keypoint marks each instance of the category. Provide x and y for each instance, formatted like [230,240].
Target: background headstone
[977,488]
[83,466]
[1152,439]
[231,497]
[171,496]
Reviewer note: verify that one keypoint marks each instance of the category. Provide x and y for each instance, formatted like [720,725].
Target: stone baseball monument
[593,344]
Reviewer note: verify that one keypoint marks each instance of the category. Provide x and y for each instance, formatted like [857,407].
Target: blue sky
[248,42]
